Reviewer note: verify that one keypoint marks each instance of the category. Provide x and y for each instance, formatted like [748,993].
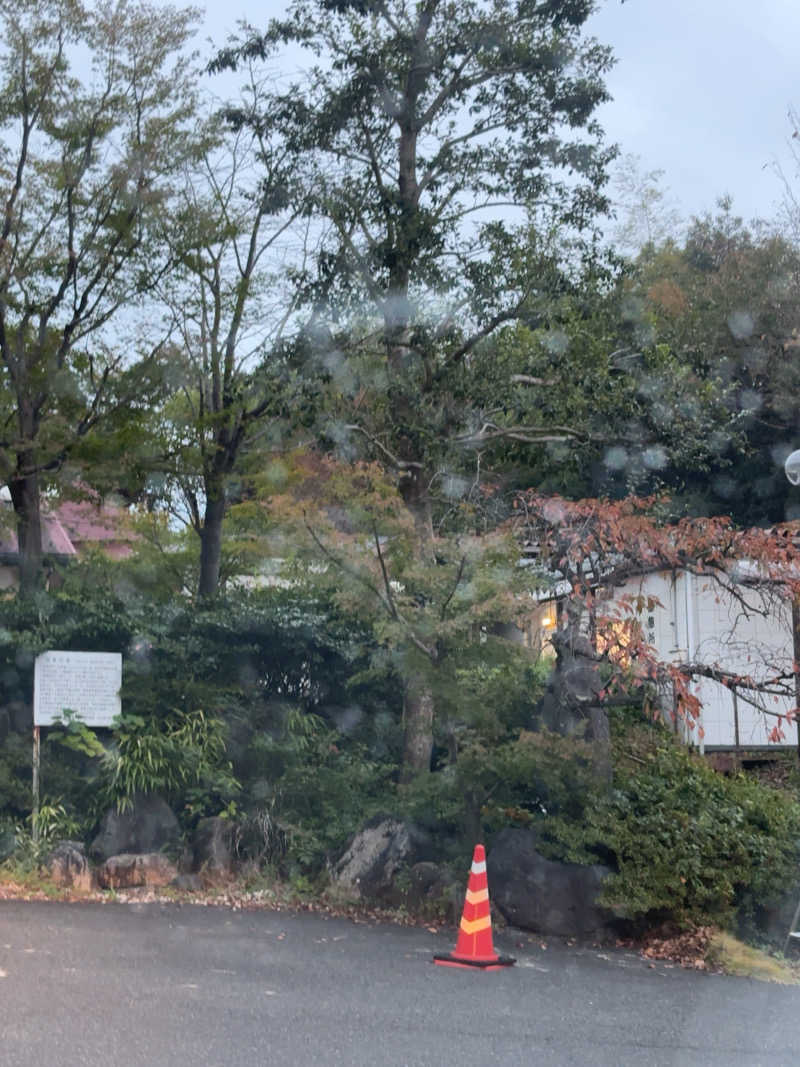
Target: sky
[701,90]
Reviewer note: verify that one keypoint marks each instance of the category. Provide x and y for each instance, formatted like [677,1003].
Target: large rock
[69,867]
[214,847]
[375,857]
[129,871]
[426,889]
[149,825]
[538,894]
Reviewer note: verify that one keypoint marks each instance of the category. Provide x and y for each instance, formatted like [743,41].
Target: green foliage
[15,775]
[8,837]
[684,842]
[316,786]
[490,685]
[95,157]
[34,839]
[181,755]
[280,710]
[725,303]
[530,780]
[691,844]
[75,735]
[241,692]
[634,409]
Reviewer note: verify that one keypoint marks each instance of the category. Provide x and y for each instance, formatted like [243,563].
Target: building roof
[85,521]
[68,526]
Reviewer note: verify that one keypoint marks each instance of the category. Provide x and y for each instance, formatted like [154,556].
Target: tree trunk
[211,543]
[413,490]
[419,706]
[572,701]
[24,489]
[418,710]
[600,736]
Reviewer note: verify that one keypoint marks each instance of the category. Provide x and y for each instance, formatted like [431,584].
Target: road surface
[146,985]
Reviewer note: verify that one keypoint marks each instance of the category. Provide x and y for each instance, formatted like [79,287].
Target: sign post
[36,758]
[84,683]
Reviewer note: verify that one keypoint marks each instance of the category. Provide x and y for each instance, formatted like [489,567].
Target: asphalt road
[152,985]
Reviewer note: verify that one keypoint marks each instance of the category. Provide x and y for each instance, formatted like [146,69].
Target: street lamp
[792,467]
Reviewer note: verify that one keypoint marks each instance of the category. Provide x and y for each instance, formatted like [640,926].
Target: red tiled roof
[85,521]
[55,538]
[71,523]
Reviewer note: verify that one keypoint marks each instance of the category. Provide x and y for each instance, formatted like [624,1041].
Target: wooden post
[736,720]
[36,758]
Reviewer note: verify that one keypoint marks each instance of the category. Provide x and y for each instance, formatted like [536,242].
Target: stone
[378,853]
[551,898]
[69,867]
[425,888]
[129,871]
[214,847]
[149,825]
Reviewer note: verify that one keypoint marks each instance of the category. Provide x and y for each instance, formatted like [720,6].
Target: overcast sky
[701,90]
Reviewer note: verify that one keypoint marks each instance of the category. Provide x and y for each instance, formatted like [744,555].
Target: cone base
[495,964]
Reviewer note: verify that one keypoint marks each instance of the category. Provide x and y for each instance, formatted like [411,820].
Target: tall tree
[725,302]
[232,298]
[94,106]
[645,213]
[438,132]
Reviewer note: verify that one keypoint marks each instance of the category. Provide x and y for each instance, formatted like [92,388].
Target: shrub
[317,787]
[529,780]
[691,845]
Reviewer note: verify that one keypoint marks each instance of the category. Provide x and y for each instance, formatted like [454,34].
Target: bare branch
[452,593]
[384,572]
[531,435]
[400,464]
[529,379]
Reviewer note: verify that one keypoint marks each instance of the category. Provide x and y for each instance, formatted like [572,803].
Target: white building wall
[697,621]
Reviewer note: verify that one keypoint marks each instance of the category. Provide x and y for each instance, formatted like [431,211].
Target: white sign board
[84,682]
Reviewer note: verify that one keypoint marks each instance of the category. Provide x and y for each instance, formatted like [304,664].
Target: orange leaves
[568,532]
[668,297]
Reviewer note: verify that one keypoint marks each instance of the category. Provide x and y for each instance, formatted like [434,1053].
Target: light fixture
[792,467]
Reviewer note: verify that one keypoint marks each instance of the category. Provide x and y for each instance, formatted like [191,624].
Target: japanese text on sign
[87,683]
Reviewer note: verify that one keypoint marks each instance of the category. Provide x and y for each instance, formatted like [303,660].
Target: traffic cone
[474,947]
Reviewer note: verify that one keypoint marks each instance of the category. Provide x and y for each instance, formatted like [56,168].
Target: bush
[691,845]
[685,843]
[533,779]
[200,688]
[316,786]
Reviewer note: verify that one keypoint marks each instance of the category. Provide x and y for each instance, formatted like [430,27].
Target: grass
[22,879]
[733,957]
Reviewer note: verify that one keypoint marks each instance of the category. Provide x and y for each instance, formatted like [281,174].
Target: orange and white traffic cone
[474,947]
